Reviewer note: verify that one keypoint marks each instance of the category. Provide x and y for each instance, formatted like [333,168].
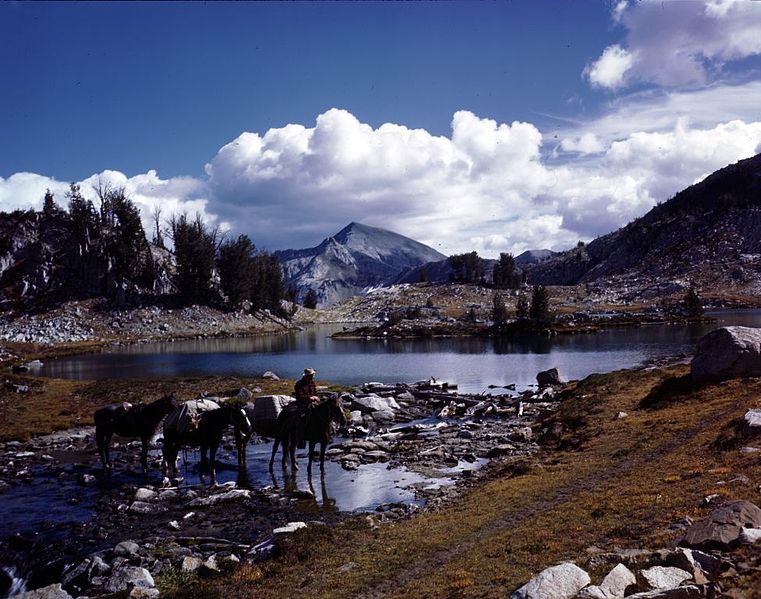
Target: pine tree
[83,217]
[195,249]
[540,304]
[49,207]
[499,310]
[692,303]
[236,269]
[522,306]
[503,276]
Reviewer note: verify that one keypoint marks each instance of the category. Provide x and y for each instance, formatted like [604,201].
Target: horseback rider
[305,392]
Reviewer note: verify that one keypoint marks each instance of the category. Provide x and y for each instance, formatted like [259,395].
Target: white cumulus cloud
[488,186]
[610,69]
[673,44]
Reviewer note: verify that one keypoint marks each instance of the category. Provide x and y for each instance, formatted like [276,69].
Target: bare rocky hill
[357,258]
[708,235]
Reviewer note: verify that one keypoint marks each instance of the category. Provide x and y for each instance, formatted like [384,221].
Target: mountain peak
[357,257]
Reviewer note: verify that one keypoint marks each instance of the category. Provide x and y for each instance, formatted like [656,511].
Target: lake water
[472,363]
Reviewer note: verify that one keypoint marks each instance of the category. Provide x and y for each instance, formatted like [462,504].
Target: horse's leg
[323,446]
[275,445]
[144,454]
[311,450]
[292,446]
[212,458]
[99,440]
[204,463]
[107,448]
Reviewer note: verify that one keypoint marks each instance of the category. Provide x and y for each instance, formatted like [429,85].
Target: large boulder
[663,578]
[558,582]
[548,378]
[751,424]
[614,586]
[54,591]
[722,528]
[727,353]
[373,403]
[128,577]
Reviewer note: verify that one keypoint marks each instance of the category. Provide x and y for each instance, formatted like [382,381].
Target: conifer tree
[540,304]
[499,310]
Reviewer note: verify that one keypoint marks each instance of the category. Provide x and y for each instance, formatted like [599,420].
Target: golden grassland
[623,484]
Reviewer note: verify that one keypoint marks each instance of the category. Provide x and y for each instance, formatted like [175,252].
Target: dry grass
[632,478]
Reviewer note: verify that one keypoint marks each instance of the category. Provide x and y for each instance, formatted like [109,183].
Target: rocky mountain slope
[357,258]
[41,262]
[708,235]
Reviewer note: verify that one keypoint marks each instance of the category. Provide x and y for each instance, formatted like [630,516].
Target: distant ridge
[709,235]
[356,258]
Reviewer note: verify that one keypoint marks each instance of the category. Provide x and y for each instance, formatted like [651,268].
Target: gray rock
[77,574]
[143,593]
[722,528]
[383,416]
[522,433]
[701,565]
[728,352]
[593,592]
[749,536]
[99,567]
[547,378]
[662,578]
[373,403]
[618,581]
[144,494]
[142,507]
[126,549]
[558,582]
[751,424]
[684,592]
[269,375]
[54,591]
[233,495]
[191,563]
[244,394]
[289,528]
[127,577]
[210,565]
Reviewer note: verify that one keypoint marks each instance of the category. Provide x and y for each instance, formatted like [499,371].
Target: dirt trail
[398,585]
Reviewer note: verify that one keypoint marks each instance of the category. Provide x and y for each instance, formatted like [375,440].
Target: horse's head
[170,403]
[337,413]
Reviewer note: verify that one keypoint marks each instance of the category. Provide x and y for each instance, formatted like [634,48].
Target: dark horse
[134,421]
[318,429]
[208,436]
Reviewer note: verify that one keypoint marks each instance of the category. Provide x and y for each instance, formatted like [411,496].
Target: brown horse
[141,421]
[208,436]
[318,429]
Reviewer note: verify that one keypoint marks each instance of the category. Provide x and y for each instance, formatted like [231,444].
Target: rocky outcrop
[355,259]
[723,527]
[558,582]
[728,352]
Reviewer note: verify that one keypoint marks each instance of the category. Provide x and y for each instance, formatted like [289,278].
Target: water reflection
[473,363]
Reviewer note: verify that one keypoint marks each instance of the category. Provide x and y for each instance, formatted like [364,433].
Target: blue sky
[287,120]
